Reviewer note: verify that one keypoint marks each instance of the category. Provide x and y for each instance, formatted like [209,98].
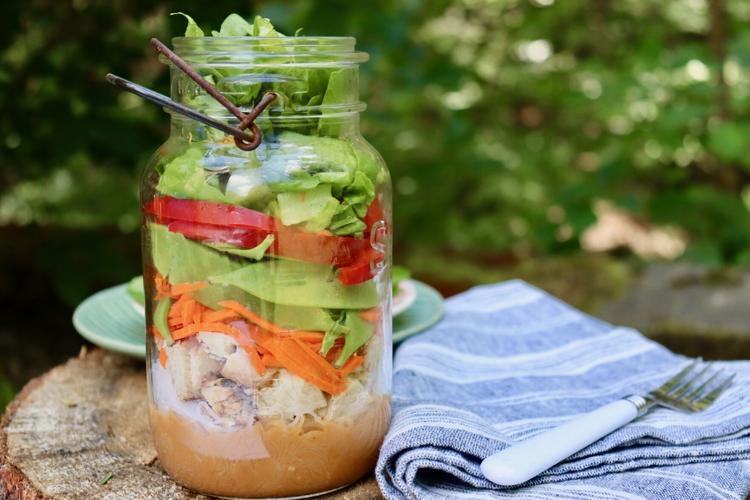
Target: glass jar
[267,276]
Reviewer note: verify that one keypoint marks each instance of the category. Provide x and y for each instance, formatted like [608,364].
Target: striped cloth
[509,361]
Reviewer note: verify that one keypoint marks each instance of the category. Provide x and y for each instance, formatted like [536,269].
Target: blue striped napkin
[509,361]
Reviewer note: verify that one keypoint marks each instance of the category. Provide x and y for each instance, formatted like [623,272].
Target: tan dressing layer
[298,460]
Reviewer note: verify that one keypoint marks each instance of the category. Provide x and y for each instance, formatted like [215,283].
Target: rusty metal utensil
[168,103]
[243,140]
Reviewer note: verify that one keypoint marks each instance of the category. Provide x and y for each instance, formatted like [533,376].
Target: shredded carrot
[303,362]
[304,336]
[250,315]
[187,310]
[299,368]
[183,288]
[270,362]
[256,319]
[162,286]
[175,311]
[198,313]
[163,357]
[220,315]
[334,353]
[351,364]
[156,333]
[315,346]
[317,359]
[193,329]
[255,360]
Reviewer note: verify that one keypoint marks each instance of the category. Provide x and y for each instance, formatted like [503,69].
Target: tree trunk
[81,431]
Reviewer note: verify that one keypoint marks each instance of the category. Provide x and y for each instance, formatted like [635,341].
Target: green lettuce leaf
[342,89]
[246,186]
[368,160]
[184,177]
[235,25]
[183,261]
[262,26]
[255,253]
[192,28]
[360,191]
[314,205]
[325,153]
[359,333]
[335,331]
[346,221]
[292,317]
[298,283]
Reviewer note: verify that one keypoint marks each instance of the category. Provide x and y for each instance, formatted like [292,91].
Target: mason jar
[267,275]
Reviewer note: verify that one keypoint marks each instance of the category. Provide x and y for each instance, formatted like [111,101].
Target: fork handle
[527,459]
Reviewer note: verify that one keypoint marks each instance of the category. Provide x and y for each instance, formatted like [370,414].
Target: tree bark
[81,431]
[718,41]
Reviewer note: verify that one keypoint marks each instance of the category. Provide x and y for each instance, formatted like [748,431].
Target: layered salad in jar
[268,296]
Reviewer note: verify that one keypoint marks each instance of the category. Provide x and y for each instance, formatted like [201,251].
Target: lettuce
[346,221]
[255,253]
[292,163]
[297,88]
[358,334]
[234,25]
[297,283]
[335,331]
[181,260]
[192,28]
[185,177]
[262,27]
[342,89]
[315,206]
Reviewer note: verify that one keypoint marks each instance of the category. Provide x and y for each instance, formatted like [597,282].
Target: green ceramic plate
[111,320]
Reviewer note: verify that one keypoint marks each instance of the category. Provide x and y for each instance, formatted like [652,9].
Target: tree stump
[81,431]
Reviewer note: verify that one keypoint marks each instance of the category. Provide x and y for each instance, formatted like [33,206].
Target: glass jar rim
[289,50]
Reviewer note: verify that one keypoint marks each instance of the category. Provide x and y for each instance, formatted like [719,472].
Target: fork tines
[694,388]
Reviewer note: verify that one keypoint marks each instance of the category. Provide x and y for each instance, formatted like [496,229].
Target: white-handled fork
[693,389]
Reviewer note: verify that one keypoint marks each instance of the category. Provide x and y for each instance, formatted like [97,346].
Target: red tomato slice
[208,212]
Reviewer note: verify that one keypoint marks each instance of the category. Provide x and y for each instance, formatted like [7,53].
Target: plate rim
[129,348]
[439,301]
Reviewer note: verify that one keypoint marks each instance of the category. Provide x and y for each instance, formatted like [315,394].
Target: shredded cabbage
[290,397]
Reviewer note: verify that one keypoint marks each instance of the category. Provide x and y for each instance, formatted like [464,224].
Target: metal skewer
[168,103]
[243,140]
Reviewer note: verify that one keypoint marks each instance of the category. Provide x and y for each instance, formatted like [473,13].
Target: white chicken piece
[237,366]
[189,367]
[239,369]
[230,405]
[218,345]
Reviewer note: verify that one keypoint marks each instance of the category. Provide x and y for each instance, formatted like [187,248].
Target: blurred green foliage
[6,393]
[503,122]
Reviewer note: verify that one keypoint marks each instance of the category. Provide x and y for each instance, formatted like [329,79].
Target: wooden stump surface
[81,431]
